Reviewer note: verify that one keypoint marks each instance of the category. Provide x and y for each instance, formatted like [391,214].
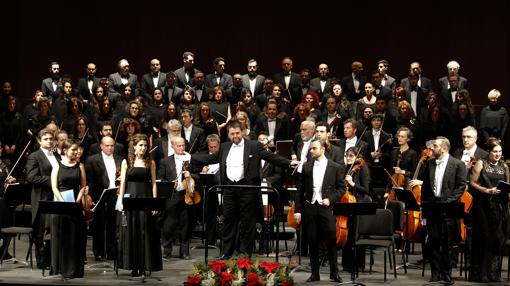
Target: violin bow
[17,161]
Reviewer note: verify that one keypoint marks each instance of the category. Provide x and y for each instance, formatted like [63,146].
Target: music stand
[74,210]
[353,210]
[107,199]
[283,148]
[145,204]
[15,195]
[207,179]
[440,210]
[410,204]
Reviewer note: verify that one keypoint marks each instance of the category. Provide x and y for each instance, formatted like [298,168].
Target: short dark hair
[217,60]
[235,124]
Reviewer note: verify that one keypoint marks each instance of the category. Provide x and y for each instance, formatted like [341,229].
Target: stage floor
[176,270]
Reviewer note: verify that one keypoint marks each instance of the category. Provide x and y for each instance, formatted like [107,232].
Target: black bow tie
[413,88]
[324,78]
[286,73]
[198,88]
[90,78]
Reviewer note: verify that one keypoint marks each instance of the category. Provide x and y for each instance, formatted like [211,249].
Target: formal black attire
[240,203]
[377,166]
[493,122]
[181,77]
[140,226]
[318,220]
[407,160]
[39,175]
[98,180]
[293,89]
[82,88]
[490,218]
[442,231]
[281,130]
[147,84]
[68,233]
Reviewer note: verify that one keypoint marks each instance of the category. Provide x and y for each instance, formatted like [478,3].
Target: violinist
[177,217]
[471,152]
[102,174]
[5,179]
[490,215]
[332,151]
[194,135]
[318,189]
[404,159]
[357,181]
[351,140]
[379,144]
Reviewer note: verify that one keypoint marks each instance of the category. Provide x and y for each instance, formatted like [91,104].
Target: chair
[377,231]
[397,209]
[11,232]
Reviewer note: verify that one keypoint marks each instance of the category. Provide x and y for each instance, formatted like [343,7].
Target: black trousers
[440,235]
[240,207]
[319,224]
[177,223]
[104,219]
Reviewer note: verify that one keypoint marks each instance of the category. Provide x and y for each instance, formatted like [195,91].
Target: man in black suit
[52,85]
[289,80]
[103,169]
[87,85]
[389,121]
[39,166]
[240,165]
[471,152]
[381,91]
[177,217]
[423,82]
[387,80]
[378,152]
[234,95]
[152,80]
[253,81]
[261,99]
[272,124]
[172,93]
[351,140]
[106,129]
[119,79]
[332,152]
[443,180]
[219,77]
[453,68]
[415,94]
[353,84]
[199,89]
[321,84]
[186,73]
[319,188]
[193,135]
[447,96]
[163,144]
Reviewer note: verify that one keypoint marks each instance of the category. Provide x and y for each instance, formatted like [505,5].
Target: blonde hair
[494,93]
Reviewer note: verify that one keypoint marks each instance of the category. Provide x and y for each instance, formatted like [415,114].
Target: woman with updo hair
[494,117]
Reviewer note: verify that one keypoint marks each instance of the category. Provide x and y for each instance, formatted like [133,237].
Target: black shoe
[185,256]
[434,279]
[7,256]
[447,280]
[313,278]
[336,278]
[136,273]
[98,258]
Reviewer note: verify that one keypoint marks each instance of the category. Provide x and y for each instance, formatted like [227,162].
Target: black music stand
[410,204]
[145,204]
[353,210]
[206,180]
[441,210]
[108,198]
[74,210]
[15,195]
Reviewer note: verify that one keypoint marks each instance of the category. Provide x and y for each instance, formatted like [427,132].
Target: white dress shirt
[155,80]
[377,137]
[170,148]
[271,125]
[111,169]
[467,153]
[187,132]
[50,156]
[235,162]
[252,85]
[414,102]
[439,174]
[319,170]
[303,155]
[179,161]
[355,81]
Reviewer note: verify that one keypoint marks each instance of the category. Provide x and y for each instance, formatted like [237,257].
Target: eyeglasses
[302,110]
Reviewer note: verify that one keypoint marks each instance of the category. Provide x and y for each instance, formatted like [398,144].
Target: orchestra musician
[443,180]
[318,189]
[379,146]
[404,159]
[178,216]
[332,151]
[102,170]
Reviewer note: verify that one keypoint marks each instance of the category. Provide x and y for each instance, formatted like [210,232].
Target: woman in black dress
[68,233]
[138,179]
[490,214]
[204,120]
[404,159]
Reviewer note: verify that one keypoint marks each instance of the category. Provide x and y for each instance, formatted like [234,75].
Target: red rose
[226,278]
[253,280]
[286,283]
[269,266]
[194,279]
[243,263]
[217,266]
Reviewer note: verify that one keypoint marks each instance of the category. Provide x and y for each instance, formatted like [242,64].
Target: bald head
[107,145]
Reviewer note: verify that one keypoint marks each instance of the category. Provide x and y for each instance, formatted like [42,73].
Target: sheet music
[68,196]
[100,198]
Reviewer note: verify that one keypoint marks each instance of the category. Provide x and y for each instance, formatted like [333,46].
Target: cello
[342,230]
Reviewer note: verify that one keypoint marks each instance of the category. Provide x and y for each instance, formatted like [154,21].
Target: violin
[342,230]
[86,202]
[191,197]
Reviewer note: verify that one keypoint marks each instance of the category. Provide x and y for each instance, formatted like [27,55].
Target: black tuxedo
[82,89]
[293,88]
[479,153]
[225,81]
[425,83]
[242,203]
[445,98]
[147,86]
[453,185]
[378,176]
[315,86]
[360,144]
[420,99]
[116,83]
[161,145]
[444,83]
[104,218]
[172,94]
[319,220]
[205,94]
[281,130]
[181,77]
[349,90]
[177,217]
[39,175]
[259,84]
[197,139]
[47,88]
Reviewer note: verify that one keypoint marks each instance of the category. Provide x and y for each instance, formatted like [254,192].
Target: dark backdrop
[337,32]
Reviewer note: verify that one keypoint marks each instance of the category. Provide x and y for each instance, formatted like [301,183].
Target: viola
[86,202]
[342,230]
[191,197]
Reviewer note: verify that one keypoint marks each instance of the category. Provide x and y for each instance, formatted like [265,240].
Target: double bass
[342,230]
